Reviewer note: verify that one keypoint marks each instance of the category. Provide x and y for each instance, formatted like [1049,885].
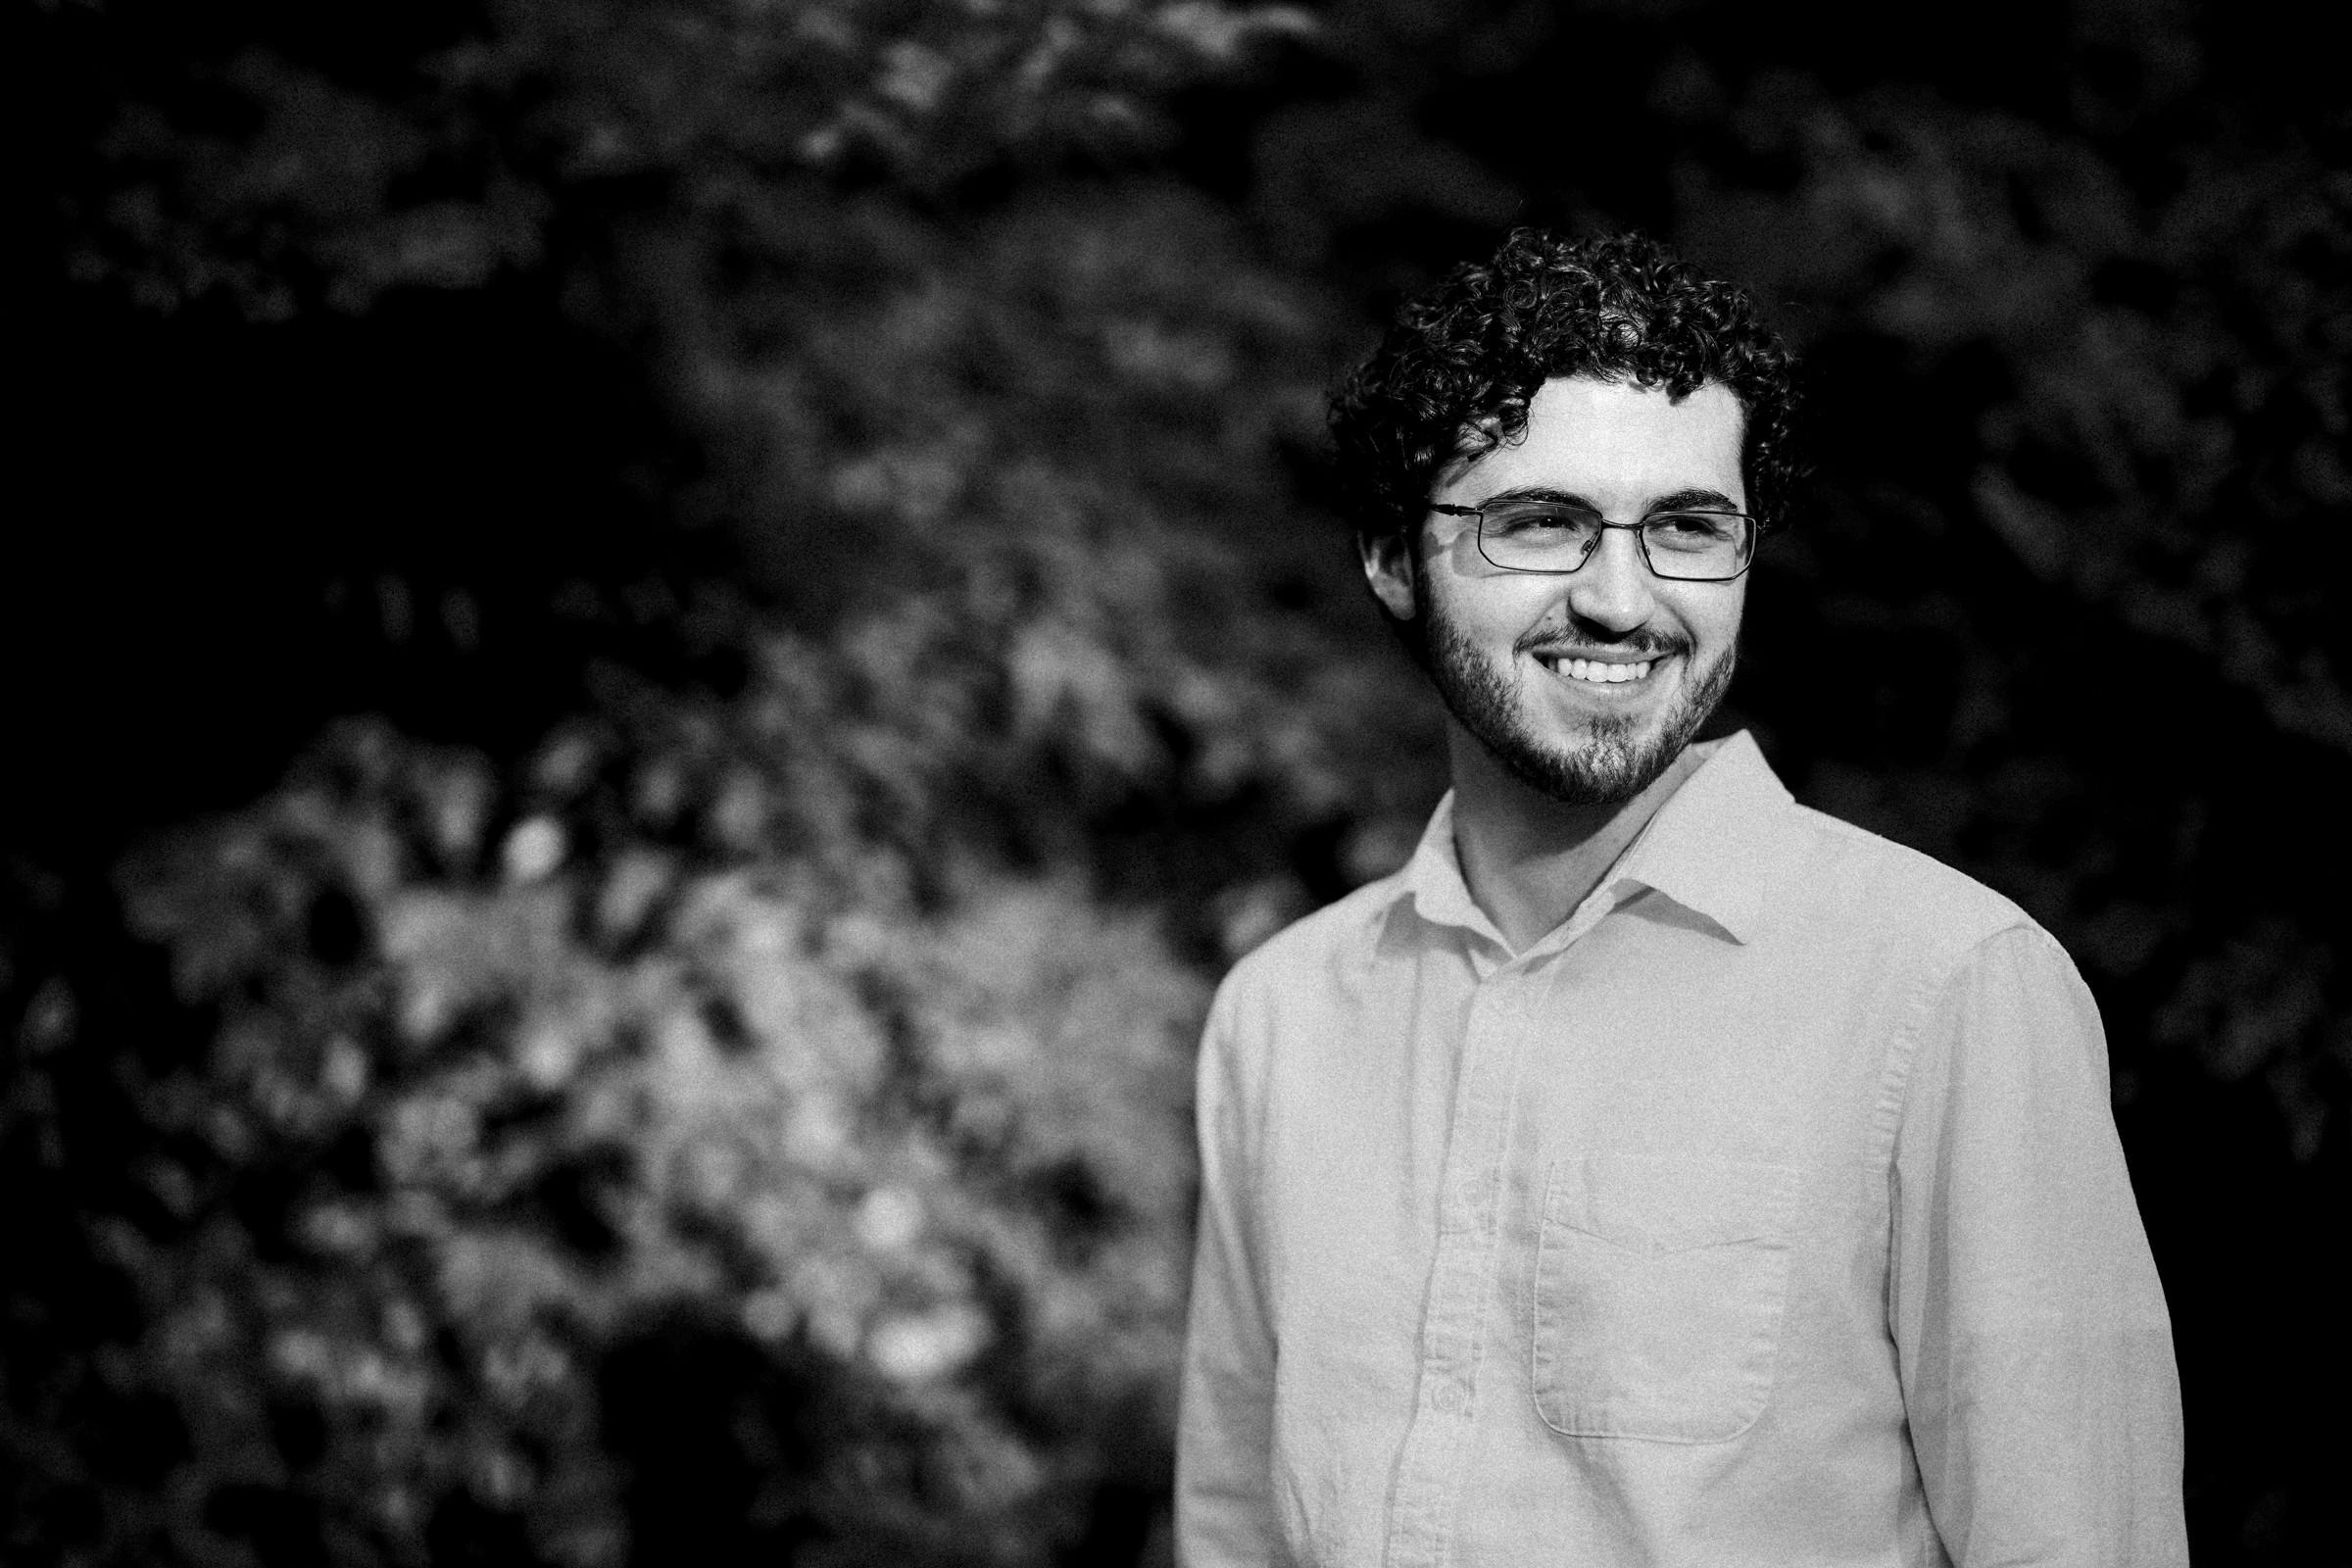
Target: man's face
[1589,685]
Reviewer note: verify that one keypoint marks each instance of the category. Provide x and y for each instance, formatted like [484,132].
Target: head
[1605,370]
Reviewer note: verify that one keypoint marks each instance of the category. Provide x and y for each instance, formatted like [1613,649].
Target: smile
[1599,672]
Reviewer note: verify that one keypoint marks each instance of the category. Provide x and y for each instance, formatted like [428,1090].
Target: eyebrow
[1686,499]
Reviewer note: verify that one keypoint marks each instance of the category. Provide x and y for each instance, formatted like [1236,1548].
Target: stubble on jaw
[1611,764]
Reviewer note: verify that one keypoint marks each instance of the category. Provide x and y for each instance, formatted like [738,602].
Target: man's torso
[1590,1246]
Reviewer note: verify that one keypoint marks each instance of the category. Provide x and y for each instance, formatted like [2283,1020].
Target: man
[1653,1171]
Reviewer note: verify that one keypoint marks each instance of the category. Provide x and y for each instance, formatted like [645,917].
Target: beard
[1618,756]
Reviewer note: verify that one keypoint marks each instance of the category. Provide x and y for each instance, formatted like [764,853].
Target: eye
[1538,519]
[1688,530]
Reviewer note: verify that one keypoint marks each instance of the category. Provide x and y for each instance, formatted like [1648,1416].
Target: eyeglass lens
[1548,537]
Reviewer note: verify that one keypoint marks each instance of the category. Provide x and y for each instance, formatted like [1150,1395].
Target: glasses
[1552,536]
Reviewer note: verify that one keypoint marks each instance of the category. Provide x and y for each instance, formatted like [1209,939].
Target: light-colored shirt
[1767,1211]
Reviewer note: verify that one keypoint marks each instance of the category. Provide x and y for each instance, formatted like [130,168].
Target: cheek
[1488,610]
[1737,616]
[1714,619]
[1481,623]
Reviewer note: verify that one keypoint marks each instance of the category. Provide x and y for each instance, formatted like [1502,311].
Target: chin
[1616,761]
[1612,756]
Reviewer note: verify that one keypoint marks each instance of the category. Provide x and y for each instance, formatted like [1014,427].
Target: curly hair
[1453,378]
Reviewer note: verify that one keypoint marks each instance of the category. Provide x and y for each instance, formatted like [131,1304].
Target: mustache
[1640,645]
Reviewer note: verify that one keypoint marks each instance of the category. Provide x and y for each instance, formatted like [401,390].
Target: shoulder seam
[1903,1050]
[1331,913]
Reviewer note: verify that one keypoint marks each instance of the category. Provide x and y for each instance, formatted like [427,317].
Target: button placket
[1461,1275]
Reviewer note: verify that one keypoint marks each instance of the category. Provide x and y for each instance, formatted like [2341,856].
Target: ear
[1387,560]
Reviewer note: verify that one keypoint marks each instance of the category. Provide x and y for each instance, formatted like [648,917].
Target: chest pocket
[1660,1285]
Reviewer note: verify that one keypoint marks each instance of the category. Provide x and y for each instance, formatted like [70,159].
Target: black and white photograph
[1177,784]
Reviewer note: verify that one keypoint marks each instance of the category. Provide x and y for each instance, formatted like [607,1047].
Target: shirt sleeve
[1224,1439]
[2035,1351]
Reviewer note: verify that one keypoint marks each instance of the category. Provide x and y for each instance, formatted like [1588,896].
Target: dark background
[656,650]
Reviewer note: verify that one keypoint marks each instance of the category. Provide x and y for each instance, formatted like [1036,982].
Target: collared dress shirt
[1767,1211]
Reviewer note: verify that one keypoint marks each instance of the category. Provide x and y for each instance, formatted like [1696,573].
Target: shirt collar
[1715,848]
[1432,880]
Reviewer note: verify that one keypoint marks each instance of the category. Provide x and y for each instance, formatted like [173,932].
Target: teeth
[1602,675]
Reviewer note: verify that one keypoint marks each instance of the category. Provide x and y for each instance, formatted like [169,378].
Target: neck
[1530,860]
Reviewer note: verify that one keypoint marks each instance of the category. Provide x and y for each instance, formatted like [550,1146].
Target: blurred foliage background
[657,649]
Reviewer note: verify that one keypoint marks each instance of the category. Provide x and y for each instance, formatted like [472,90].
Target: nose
[1612,589]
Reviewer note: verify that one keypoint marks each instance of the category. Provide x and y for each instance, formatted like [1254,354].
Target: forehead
[1614,443]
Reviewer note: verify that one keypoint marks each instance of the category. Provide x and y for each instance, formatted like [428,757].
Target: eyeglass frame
[1637,529]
